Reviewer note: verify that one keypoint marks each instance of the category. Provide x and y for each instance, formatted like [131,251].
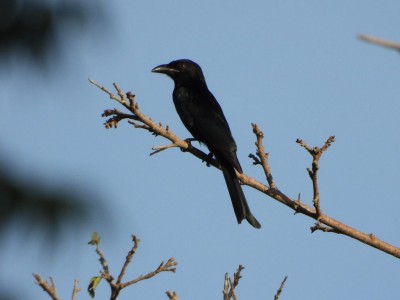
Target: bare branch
[225,291]
[121,98]
[230,285]
[163,267]
[274,193]
[105,273]
[379,42]
[279,291]
[172,295]
[129,257]
[49,289]
[75,290]
[117,286]
[262,155]
[316,154]
[116,116]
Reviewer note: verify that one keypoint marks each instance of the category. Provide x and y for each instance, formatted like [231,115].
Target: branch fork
[316,154]
[116,287]
[230,284]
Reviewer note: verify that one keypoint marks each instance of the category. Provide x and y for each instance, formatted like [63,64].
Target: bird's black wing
[203,117]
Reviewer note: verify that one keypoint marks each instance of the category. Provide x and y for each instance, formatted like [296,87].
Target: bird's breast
[186,106]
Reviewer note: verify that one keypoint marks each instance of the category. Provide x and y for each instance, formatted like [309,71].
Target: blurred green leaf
[95,240]
[94,282]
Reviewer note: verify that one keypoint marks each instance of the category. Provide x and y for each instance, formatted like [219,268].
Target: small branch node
[320,227]
[172,295]
[297,204]
[310,172]
[131,99]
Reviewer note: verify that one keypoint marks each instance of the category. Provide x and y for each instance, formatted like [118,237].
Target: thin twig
[316,154]
[279,291]
[129,257]
[117,286]
[169,266]
[172,295]
[116,116]
[49,289]
[105,273]
[263,155]
[230,285]
[379,42]
[75,290]
[320,227]
[121,98]
[161,148]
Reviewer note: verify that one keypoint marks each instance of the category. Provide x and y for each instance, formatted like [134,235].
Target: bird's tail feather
[240,206]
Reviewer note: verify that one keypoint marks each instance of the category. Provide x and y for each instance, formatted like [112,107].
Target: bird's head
[181,71]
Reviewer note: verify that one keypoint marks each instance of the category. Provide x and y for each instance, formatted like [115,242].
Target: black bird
[203,117]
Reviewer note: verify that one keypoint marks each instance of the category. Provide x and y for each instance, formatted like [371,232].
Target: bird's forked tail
[240,206]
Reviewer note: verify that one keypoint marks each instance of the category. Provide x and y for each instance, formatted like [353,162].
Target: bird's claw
[189,142]
[210,156]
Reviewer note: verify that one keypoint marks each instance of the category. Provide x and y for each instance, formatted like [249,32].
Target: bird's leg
[210,156]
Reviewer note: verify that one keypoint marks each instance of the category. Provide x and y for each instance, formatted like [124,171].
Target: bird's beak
[165,69]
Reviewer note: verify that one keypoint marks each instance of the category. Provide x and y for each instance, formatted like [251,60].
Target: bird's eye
[182,66]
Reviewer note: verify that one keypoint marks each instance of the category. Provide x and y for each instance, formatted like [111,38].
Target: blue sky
[296,69]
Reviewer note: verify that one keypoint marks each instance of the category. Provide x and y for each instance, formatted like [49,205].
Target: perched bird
[203,117]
